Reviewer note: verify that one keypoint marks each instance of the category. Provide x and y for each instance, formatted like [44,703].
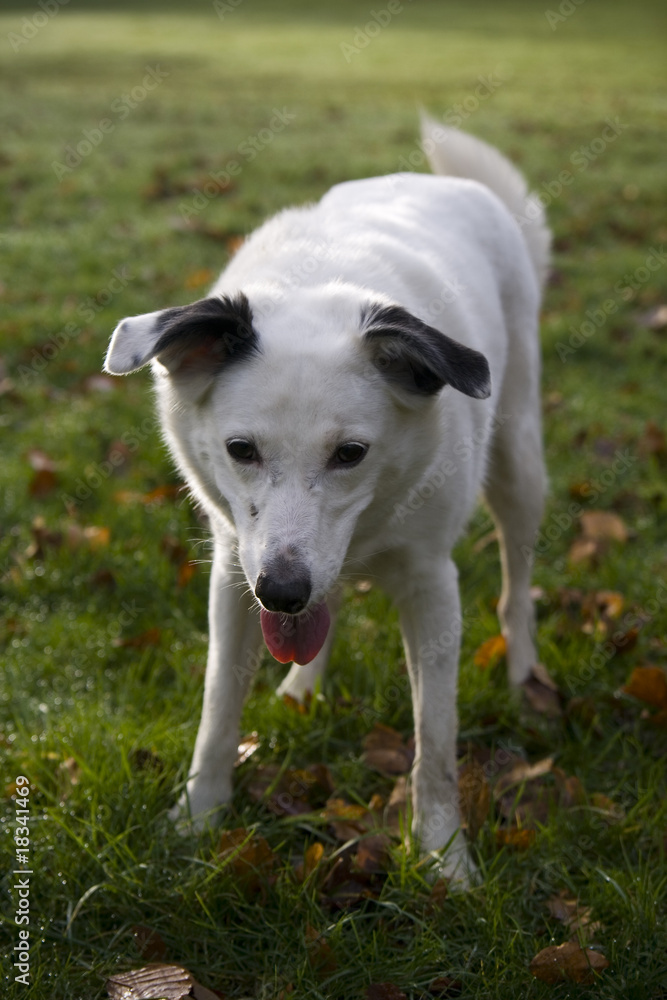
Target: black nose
[287,595]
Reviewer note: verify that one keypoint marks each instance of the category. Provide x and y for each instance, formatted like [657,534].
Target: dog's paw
[456,868]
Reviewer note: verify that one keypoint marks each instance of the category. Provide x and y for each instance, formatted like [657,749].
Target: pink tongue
[295,637]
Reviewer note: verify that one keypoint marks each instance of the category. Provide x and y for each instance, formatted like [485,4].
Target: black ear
[420,359]
[197,339]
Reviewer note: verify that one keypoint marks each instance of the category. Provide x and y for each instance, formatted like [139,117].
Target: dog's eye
[349,453]
[242,450]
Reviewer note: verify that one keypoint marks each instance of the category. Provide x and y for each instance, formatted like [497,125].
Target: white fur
[450,252]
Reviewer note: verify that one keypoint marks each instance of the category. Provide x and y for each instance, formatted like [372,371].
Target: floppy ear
[419,359]
[194,340]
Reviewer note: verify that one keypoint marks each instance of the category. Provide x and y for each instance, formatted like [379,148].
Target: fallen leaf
[42,483]
[320,955]
[515,838]
[610,810]
[372,854]
[247,855]
[648,684]
[347,820]
[397,809]
[569,911]
[43,538]
[385,751]
[384,991]
[168,982]
[603,525]
[560,963]
[291,791]
[445,986]
[149,943]
[151,637]
[311,859]
[474,798]
[542,692]
[204,276]
[653,441]
[490,652]
[439,892]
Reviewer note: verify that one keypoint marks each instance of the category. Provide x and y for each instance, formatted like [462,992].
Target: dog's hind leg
[235,638]
[303,678]
[514,491]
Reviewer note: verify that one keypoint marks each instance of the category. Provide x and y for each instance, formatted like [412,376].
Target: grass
[96,243]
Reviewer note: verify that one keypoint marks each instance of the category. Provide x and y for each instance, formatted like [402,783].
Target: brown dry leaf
[385,751]
[173,549]
[474,798]
[171,491]
[648,684]
[295,705]
[577,918]
[248,856]
[293,791]
[168,982]
[348,821]
[445,986]
[653,441]
[372,854]
[247,747]
[542,692]
[200,992]
[102,578]
[582,550]
[439,892]
[151,637]
[42,483]
[384,991]
[610,810]
[149,943]
[603,525]
[490,652]
[43,538]
[570,789]
[203,276]
[515,838]
[320,955]
[397,808]
[312,857]
[560,963]
[186,571]
[609,603]
[234,243]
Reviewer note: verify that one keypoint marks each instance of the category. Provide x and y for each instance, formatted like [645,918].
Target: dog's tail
[458,154]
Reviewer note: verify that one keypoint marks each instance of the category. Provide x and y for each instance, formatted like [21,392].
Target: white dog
[360,371]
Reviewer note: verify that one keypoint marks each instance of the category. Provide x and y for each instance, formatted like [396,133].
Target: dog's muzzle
[287,595]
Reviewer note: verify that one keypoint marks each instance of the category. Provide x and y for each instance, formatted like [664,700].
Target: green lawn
[115,127]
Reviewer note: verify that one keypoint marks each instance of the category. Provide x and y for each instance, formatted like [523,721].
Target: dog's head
[291,419]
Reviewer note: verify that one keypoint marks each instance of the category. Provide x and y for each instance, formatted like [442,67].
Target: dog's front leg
[234,639]
[431,624]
